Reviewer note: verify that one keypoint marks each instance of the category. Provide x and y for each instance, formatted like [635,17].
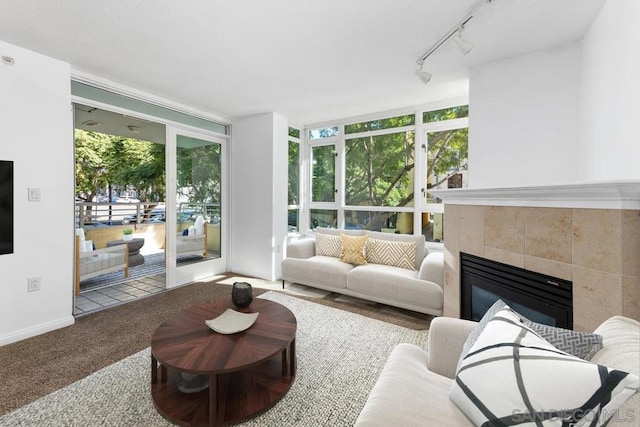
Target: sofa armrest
[432,268]
[446,339]
[303,248]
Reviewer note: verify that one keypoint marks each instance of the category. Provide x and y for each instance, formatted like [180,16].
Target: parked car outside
[156,215]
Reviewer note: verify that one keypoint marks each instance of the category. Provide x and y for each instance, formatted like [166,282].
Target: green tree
[106,161]
[324,172]
[379,170]
[92,171]
[200,175]
[294,164]
[139,165]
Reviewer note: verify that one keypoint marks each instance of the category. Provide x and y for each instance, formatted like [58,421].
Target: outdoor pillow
[513,376]
[199,225]
[353,249]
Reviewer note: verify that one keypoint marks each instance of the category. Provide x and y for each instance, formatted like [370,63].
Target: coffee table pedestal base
[240,395]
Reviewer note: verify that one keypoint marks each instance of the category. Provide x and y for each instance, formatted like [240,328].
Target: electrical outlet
[34,284]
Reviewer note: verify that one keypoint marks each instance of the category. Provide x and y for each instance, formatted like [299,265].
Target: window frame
[297,206]
[420,129]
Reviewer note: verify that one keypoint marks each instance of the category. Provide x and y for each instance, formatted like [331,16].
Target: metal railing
[94,214]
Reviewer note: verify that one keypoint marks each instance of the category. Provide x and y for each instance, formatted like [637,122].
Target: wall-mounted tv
[6,207]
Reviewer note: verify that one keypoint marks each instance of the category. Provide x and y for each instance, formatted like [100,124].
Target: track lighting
[423,75]
[464,45]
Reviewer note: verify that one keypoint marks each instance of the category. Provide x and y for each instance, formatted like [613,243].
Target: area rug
[340,356]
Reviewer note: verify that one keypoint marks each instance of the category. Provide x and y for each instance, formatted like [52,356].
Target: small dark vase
[241,294]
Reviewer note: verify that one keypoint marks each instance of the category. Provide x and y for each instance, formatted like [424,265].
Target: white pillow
[199,225]
[513,376]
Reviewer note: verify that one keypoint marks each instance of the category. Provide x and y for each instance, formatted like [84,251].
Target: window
[386,221]
[323,178]
[446,163]
[446,114]
[394,122]
[323,133]
[386,168]
[294,181]
[323,218]
[379,170]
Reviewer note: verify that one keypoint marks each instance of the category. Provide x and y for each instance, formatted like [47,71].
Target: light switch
[34,194]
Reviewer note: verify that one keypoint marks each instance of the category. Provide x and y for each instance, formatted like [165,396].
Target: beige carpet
[37,366]
[339,357]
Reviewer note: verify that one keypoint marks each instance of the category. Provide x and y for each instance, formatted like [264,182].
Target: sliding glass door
[195,192]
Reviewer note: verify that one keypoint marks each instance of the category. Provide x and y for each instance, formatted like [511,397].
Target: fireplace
[540,298]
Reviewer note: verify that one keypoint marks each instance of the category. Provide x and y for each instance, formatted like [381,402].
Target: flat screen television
[6,207]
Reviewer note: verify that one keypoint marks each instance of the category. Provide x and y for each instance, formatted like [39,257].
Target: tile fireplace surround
[588,234]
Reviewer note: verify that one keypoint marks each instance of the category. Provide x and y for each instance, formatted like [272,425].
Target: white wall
[258,195]
[610,107]
[37,134]
[523,120]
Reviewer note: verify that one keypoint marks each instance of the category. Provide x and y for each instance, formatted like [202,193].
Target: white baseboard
[36,330]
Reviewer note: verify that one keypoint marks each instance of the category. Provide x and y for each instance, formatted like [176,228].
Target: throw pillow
[353,249]
[396,254]
[328,245]
[513,376]
[199,225]
[580,344]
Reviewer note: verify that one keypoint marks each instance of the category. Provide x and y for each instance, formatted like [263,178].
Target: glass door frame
[178,276]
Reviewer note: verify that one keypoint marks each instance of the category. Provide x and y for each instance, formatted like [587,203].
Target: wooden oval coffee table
[248,371]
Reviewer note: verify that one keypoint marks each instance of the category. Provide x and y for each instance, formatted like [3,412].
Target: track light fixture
[465,46]
[423,75]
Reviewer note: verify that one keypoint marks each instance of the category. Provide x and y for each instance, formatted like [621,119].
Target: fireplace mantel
[588,234]
[595,195]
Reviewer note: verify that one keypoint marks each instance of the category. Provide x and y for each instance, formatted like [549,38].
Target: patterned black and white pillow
[580,344]
[513,376]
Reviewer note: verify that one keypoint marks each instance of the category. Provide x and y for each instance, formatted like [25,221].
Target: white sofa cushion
[408,394]
[621,350]
[338,231]
[395,286]
[319,271]
[532,381]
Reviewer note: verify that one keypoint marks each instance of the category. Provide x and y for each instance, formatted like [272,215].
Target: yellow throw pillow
[353,249]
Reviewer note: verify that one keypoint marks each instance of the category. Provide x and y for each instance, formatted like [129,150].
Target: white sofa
[413,388]
[418,288]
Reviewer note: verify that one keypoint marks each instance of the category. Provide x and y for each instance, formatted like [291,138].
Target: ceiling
[311,61]
[98,120]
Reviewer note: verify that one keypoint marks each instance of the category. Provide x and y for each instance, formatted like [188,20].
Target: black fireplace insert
[540,298]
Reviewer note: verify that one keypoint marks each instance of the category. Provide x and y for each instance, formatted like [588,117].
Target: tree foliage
[199,174]
[324,172]
[121,163]
[379,169]
[293,181]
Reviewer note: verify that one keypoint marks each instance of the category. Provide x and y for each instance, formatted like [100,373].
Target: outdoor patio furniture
[100,261]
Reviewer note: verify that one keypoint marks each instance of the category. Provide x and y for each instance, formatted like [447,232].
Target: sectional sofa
[416,386]
[393,269]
